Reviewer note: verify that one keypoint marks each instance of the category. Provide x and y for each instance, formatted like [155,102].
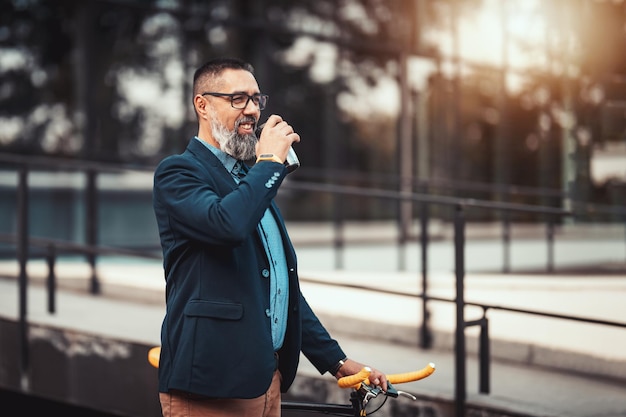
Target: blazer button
[265,272]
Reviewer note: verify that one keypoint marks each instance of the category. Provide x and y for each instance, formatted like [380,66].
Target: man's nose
[251,108]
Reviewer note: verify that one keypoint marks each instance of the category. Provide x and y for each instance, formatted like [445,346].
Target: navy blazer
[215,337]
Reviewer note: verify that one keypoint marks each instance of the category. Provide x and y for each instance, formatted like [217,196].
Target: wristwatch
[336,367]
[269,157]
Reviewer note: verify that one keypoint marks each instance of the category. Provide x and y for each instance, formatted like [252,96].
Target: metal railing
[51,249]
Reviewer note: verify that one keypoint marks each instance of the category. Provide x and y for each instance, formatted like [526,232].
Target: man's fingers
[273,120]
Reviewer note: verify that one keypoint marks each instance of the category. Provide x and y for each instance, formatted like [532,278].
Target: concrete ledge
[149,289]
[113,376]
[80,369]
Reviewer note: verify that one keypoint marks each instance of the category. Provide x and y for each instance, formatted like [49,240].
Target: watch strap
[335,368]
[269,157]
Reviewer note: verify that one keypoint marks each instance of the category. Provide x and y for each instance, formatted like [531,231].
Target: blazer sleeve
[317,345]
[201,201]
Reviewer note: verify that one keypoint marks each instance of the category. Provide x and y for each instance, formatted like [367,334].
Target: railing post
[51,258]
[426,340]
[460,348]
[22,256]
[91,227]
[506,242]
[485,356]
[484,359]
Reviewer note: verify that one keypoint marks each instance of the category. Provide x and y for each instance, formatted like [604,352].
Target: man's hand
[351,367]
[276,137]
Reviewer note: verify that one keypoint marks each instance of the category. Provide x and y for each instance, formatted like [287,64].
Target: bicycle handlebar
[153,356]
[355,381]
[412,376]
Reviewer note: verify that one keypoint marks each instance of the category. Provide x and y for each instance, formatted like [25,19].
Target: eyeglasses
[240,100]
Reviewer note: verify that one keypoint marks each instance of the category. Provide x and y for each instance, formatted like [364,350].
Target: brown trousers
[180,404]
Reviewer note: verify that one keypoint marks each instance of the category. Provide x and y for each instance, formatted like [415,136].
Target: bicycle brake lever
[391,391]
[369,392]
[372,392]
[368,396]
[407,394]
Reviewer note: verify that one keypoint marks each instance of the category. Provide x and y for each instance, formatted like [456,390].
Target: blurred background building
[509,100]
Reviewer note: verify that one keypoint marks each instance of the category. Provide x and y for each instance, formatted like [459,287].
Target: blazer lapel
[214,168]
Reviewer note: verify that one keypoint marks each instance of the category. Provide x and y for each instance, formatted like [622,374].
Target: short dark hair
[213,68]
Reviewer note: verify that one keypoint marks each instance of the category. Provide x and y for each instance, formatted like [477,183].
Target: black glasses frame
[236,99]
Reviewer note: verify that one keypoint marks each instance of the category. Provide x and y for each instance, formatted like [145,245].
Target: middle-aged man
[236,321]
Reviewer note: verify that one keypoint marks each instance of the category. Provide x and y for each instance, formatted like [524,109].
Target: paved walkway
[530,353]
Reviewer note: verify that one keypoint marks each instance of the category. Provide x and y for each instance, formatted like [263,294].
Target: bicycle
[360,396]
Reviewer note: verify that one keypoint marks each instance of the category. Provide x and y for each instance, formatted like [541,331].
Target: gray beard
[240,147]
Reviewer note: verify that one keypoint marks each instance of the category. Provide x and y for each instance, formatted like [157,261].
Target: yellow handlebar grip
[153,356]
[412,376]
[354,380]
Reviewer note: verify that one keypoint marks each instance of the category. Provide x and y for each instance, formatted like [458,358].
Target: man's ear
[200,104]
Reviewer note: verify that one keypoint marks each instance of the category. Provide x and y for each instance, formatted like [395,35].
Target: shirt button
[265,273]
[267,312]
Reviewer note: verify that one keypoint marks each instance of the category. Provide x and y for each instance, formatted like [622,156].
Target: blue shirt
[273,244]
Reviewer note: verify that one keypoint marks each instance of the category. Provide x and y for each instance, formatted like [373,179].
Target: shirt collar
[228,161]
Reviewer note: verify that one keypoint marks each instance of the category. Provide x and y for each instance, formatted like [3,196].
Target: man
[236,320]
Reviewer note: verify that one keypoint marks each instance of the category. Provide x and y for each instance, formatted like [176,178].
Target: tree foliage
[110,80]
